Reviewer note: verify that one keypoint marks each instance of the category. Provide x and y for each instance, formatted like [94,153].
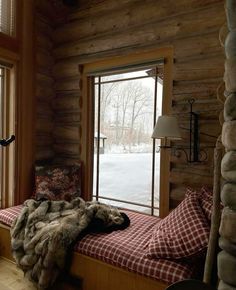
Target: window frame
[20,51]
[7,173]
[87,114]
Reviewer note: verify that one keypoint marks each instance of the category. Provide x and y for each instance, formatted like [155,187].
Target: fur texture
[44,231]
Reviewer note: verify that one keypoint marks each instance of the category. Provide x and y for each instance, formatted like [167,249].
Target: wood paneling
[99,29]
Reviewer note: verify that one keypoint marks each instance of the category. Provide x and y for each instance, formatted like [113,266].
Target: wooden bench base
[95,274]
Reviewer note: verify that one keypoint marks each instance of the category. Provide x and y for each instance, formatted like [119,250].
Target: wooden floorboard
[12,278]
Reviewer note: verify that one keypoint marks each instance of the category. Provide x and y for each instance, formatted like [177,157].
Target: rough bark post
[215,219]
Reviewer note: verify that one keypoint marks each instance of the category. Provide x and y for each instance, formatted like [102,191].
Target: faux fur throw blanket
[44,231]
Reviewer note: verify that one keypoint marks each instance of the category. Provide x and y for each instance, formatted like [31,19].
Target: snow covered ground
[128,177]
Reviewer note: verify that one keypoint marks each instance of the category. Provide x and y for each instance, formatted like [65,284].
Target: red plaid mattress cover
[8,215]
[127,249]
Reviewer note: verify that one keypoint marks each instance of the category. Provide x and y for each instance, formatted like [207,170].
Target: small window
[7,17]
[7,128]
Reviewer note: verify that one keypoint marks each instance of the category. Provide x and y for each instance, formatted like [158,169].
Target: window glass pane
[126,147]
[7,17]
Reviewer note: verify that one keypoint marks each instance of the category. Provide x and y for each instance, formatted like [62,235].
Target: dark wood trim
[26,105]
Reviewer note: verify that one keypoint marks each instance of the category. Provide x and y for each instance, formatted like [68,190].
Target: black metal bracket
[6,142]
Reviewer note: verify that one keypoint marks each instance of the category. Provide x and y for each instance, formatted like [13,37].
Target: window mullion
[98,136]
[154,143]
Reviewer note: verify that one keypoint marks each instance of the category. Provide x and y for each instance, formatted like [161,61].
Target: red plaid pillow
[58,182]
[183,233]
[206,201]
[205,196]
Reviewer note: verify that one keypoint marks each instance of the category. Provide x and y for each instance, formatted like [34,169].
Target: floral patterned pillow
[58,182]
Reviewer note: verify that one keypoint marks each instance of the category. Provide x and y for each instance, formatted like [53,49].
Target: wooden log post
[215,219]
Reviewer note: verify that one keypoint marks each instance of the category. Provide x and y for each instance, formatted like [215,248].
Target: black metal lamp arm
[5,142]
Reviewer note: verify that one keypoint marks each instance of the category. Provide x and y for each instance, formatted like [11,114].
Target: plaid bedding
[8,215]
[126,249]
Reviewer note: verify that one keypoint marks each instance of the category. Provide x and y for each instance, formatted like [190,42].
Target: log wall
[44,81]
[104,28]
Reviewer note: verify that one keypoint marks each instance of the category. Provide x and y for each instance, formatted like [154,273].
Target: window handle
[5,142]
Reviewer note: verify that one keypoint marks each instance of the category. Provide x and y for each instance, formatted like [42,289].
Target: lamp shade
[166,127]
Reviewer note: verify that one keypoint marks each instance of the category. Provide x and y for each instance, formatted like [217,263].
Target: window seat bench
[116,260]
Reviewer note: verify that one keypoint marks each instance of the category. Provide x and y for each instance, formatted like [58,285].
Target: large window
[126,162]
[122,98]
[7,17]
[7,128]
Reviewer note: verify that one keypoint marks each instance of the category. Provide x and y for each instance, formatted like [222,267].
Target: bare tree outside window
[126,122]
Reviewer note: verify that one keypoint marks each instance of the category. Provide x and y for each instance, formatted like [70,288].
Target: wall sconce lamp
[167,128]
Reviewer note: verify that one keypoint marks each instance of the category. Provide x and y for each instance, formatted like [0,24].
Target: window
[7,17]
[7,154]
[126,164]
[122,98]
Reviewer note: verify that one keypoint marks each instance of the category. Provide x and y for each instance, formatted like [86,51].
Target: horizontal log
[164,32]
[66,103]
[202,68]
[43,41]
[67,160]
[200,107]
[68,118]
[190,179]
[44,80]
[204,96]
[128,16]
[45,93]
[45,141]
[196,86]
[199,168]
[68,85]
[65,69]
[44,59]
[86,8]
[45,70]
[42,26]
[44,126]
[44,109]
[50,11]
[62,134]
[199,45]
[67,149]
[42,154]
[178,193]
